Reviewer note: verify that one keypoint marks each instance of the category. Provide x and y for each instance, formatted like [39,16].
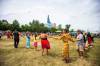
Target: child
[35,44]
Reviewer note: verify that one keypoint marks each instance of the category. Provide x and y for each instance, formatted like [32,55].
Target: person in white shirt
[80,43]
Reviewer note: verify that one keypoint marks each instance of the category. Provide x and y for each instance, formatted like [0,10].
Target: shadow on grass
[93,54]
[86,55]
[53,54]
[6,53]
[97,60]
[2,58]
[73,59]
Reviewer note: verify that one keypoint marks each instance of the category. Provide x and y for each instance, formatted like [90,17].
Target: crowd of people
[84,41]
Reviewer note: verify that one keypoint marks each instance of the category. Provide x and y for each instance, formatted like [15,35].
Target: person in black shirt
[16,39]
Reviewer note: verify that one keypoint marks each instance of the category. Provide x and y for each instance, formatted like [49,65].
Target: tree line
[34,26]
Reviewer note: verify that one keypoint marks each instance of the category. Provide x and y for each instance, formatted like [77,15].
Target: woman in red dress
[44,43]
[89,38]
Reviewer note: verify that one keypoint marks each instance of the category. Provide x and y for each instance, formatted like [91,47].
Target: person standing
[8,34]
[89,38]
[65,37]
[35,43]
[44,43]
[80,43]
[16,39]
[85,39]
[27,40]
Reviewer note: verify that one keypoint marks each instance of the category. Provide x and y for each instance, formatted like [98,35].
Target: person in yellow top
[65,36]
[35,43]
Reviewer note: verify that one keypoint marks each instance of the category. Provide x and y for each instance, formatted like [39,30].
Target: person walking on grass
[44,43]
[16,39]
[80,43]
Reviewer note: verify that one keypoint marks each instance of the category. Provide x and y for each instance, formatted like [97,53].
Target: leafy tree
[67,26]
[53,29]
[59,27]
[23,28]
[15,25]
[72,30]
[34,26]
[4,25]
[1,25]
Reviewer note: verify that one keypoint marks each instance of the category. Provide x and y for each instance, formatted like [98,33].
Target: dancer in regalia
[65,36]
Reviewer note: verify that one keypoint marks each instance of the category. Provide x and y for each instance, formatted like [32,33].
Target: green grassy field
[22,56]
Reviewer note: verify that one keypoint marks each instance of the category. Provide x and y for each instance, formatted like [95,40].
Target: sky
[81,14]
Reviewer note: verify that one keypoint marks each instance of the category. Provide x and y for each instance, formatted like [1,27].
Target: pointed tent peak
[48,20]
[48,15]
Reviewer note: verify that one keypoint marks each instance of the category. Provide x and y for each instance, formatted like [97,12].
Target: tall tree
[67,26]
[53,29]
[16,25]
[5,24]
[72,30]
[59,27]
[1,25]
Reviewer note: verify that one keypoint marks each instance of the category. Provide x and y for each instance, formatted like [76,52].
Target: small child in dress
[35,44]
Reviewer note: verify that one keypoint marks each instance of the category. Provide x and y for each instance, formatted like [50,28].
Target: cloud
[78,13]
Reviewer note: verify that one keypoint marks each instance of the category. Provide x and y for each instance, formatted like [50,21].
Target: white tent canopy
[58,31]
